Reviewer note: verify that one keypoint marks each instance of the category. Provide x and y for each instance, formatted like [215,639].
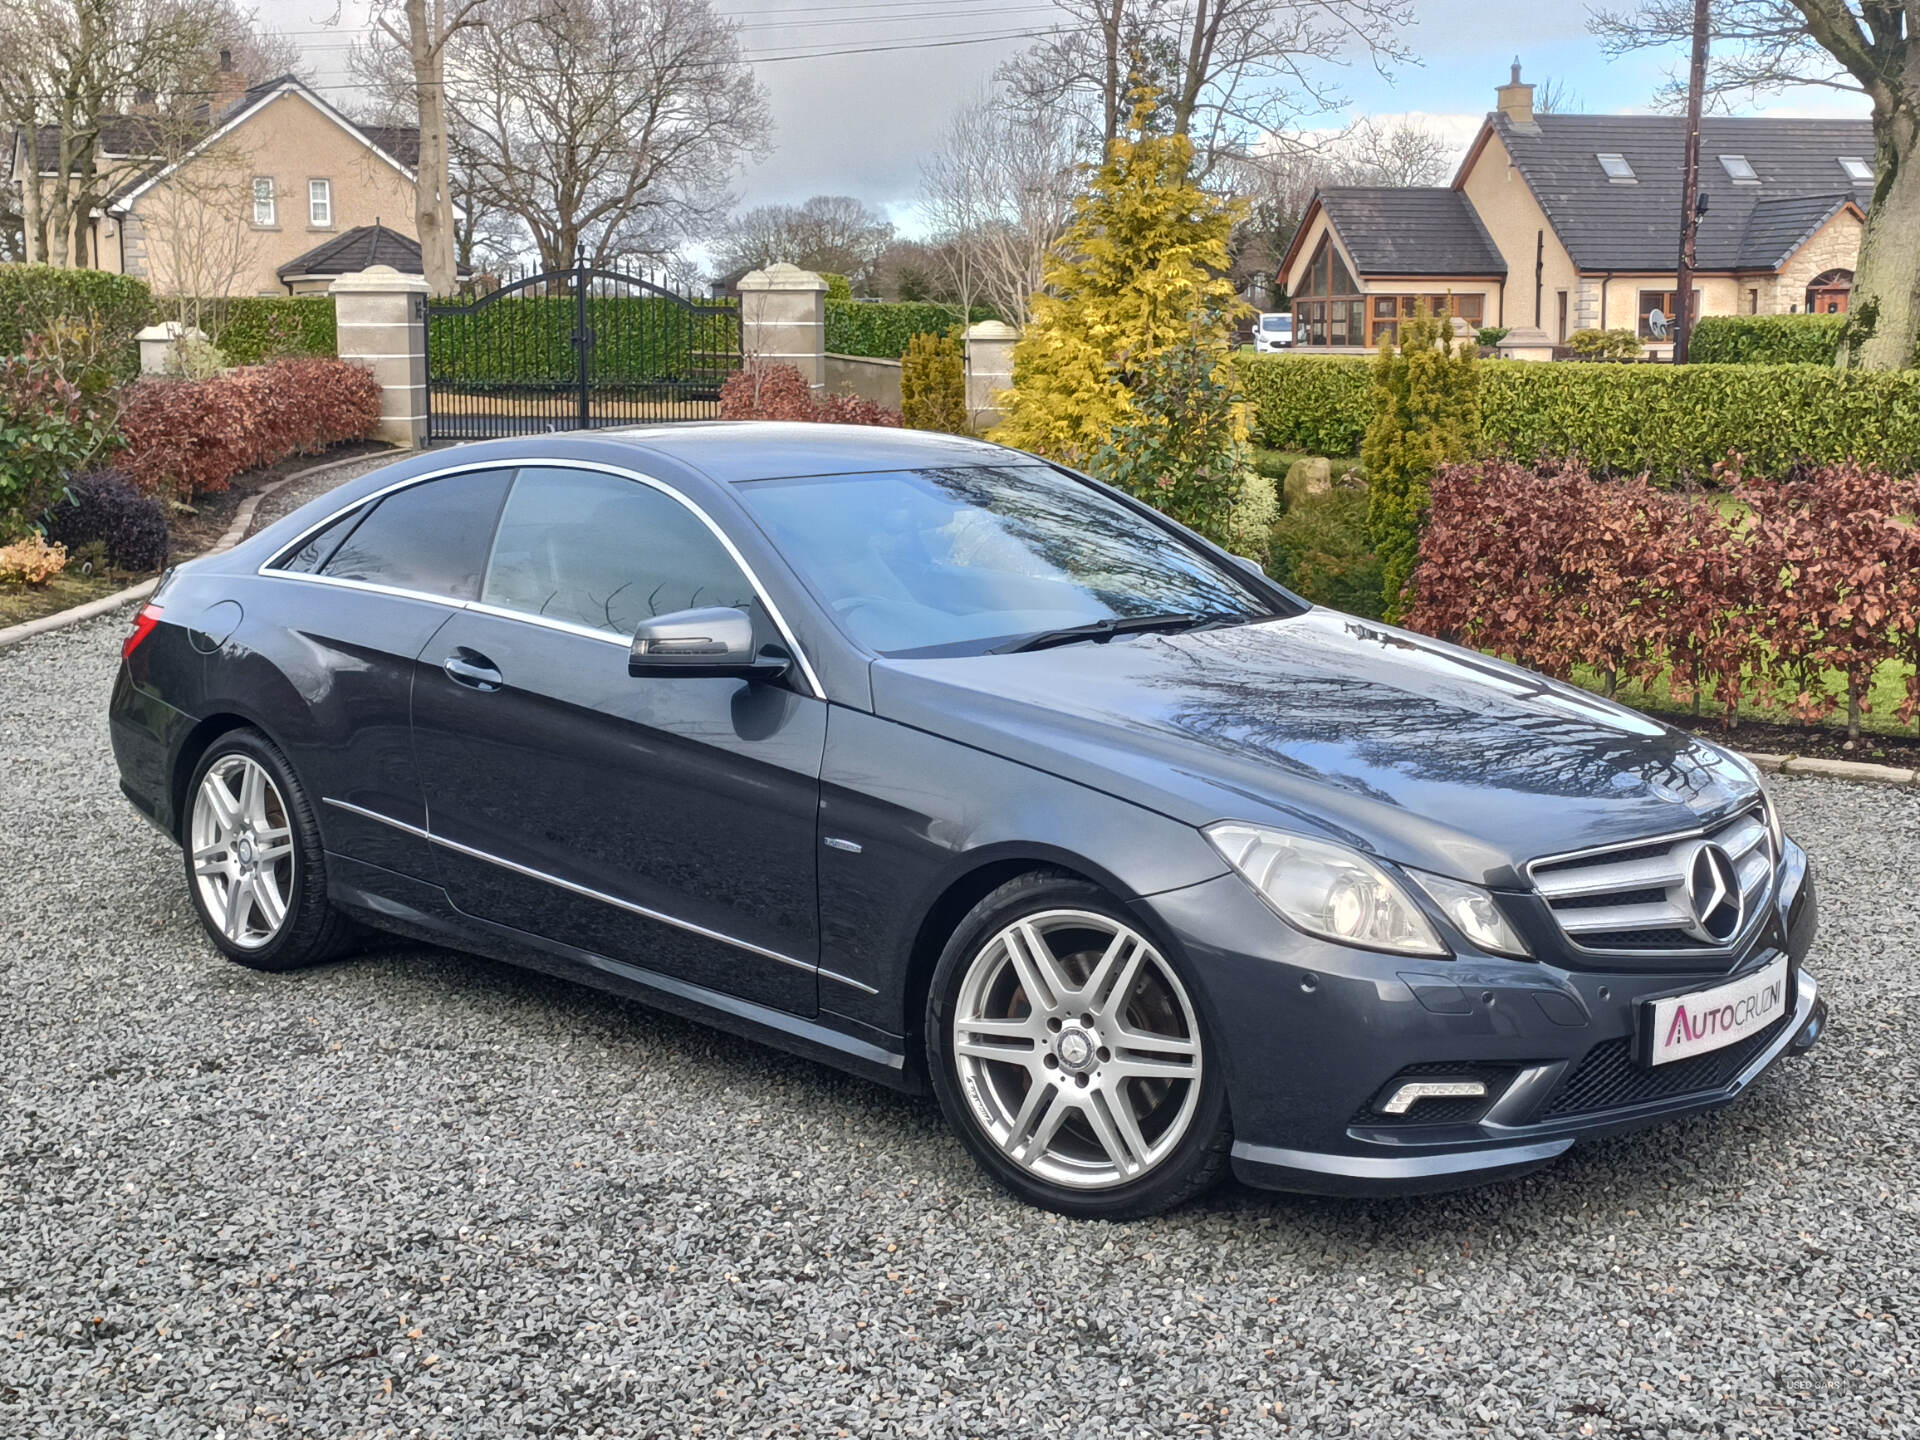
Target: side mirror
[716,642]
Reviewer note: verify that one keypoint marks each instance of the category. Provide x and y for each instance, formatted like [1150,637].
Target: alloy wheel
[1077,1048]
[243,860]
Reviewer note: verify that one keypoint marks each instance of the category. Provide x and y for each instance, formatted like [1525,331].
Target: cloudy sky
[857,123]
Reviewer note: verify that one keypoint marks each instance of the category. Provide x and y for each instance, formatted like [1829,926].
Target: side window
[431,537]
[313,554]
[606,552]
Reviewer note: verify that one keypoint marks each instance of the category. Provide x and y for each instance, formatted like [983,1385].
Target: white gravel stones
[423,1194]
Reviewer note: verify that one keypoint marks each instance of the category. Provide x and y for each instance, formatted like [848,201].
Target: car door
[666,822]
[351,604]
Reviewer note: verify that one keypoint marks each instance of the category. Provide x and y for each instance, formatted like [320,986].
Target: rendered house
[267,177]
[1558,223]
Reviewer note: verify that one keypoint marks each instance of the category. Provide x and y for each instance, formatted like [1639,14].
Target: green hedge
[252,328]
[1310,404]
[526,339]
[1674,421]
[1766,339]
[1678,421]
[32,296]
[881,330]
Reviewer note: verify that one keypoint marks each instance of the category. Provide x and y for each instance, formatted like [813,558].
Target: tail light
[143,624]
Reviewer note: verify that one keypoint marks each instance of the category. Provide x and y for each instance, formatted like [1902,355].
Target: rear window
[432,537]
[320,545]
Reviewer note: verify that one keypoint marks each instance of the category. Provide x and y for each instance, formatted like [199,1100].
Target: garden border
[235,533]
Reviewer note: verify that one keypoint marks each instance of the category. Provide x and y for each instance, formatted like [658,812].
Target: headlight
[1475,912]
[1326,889]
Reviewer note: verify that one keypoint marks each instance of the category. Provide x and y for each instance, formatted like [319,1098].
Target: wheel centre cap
[243,852]
[1076,1050]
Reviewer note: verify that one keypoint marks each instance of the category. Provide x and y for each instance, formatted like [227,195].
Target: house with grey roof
[1557,223]
[254,187]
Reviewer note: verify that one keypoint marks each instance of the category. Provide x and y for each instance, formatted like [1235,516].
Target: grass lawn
[60,593]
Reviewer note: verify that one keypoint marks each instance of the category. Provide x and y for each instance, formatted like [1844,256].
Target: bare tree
[605,127]
[1399,153]
[835,234]
[70,66]
[423,30]
[1230,71]
[1554,96]
[997,194]
[1868,47]
[199,243]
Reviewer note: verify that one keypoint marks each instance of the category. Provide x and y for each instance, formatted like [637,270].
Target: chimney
[1515,98]
[145,102]
[228,87]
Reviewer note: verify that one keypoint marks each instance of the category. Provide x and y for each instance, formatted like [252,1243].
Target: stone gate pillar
[381,319]
[783,320]
[989,370]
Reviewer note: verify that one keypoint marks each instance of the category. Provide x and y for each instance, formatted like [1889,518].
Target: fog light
[1414,1091]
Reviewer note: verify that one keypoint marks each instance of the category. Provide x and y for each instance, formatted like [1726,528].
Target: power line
[928,43]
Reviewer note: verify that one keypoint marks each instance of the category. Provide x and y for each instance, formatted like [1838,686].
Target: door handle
[472,669]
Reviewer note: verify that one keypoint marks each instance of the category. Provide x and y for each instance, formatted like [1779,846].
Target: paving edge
[1808,767]
[235,533]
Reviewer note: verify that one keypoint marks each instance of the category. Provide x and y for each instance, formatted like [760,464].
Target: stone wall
[869,378]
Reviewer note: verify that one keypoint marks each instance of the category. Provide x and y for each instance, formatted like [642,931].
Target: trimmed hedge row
[191,437]
[1766,339]
[252,328]
[881,331]
[528,339]
[1676,422]
[1671,421]
[33,296]
[1316,404]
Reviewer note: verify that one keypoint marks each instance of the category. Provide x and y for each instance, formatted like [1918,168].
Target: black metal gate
[575,349]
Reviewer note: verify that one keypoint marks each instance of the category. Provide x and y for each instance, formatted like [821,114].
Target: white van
[1273,332]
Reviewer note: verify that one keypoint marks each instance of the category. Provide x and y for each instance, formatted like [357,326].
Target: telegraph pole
[1690,189]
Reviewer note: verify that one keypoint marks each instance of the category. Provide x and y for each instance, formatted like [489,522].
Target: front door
[666,822]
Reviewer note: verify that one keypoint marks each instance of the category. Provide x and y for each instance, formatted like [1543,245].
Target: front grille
[1610,1078]
[1438,1111]
[1632,899]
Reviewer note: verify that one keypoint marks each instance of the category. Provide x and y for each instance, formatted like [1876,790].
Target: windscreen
[962,560]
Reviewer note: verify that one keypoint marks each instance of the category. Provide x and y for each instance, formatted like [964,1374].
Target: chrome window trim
[590,893]
[1763,903]
[268,568]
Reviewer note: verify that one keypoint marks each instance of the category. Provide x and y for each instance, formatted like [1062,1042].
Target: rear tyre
[254,863]
[1071,1056]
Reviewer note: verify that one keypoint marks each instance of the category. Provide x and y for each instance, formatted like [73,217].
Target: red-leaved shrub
[191,437]
[1557,569]
[780,392]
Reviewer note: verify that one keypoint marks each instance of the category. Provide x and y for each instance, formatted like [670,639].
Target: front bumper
[1313,1033]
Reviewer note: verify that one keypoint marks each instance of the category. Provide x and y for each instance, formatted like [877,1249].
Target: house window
[1738,170]
[320,204]
[1858,170]
[1329,310]
[1618,170]
[1658,311]
[263,200]
[1389,310]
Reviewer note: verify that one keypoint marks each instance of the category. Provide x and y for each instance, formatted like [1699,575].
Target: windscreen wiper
[1101,631]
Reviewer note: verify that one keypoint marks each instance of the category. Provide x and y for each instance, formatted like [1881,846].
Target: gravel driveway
[423,1194]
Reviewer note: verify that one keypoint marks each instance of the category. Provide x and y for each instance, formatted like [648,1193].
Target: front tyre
[1068,1052]
[254,863]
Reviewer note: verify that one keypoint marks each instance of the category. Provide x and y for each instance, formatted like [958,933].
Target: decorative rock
[1311,476]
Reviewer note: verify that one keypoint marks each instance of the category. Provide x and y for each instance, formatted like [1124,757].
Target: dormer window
[1858,170]
[1738,170]
[1618,170]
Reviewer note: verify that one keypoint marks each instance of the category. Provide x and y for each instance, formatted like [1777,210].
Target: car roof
[741,450]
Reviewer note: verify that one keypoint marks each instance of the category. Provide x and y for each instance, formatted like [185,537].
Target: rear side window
[431,537]
[320,545]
